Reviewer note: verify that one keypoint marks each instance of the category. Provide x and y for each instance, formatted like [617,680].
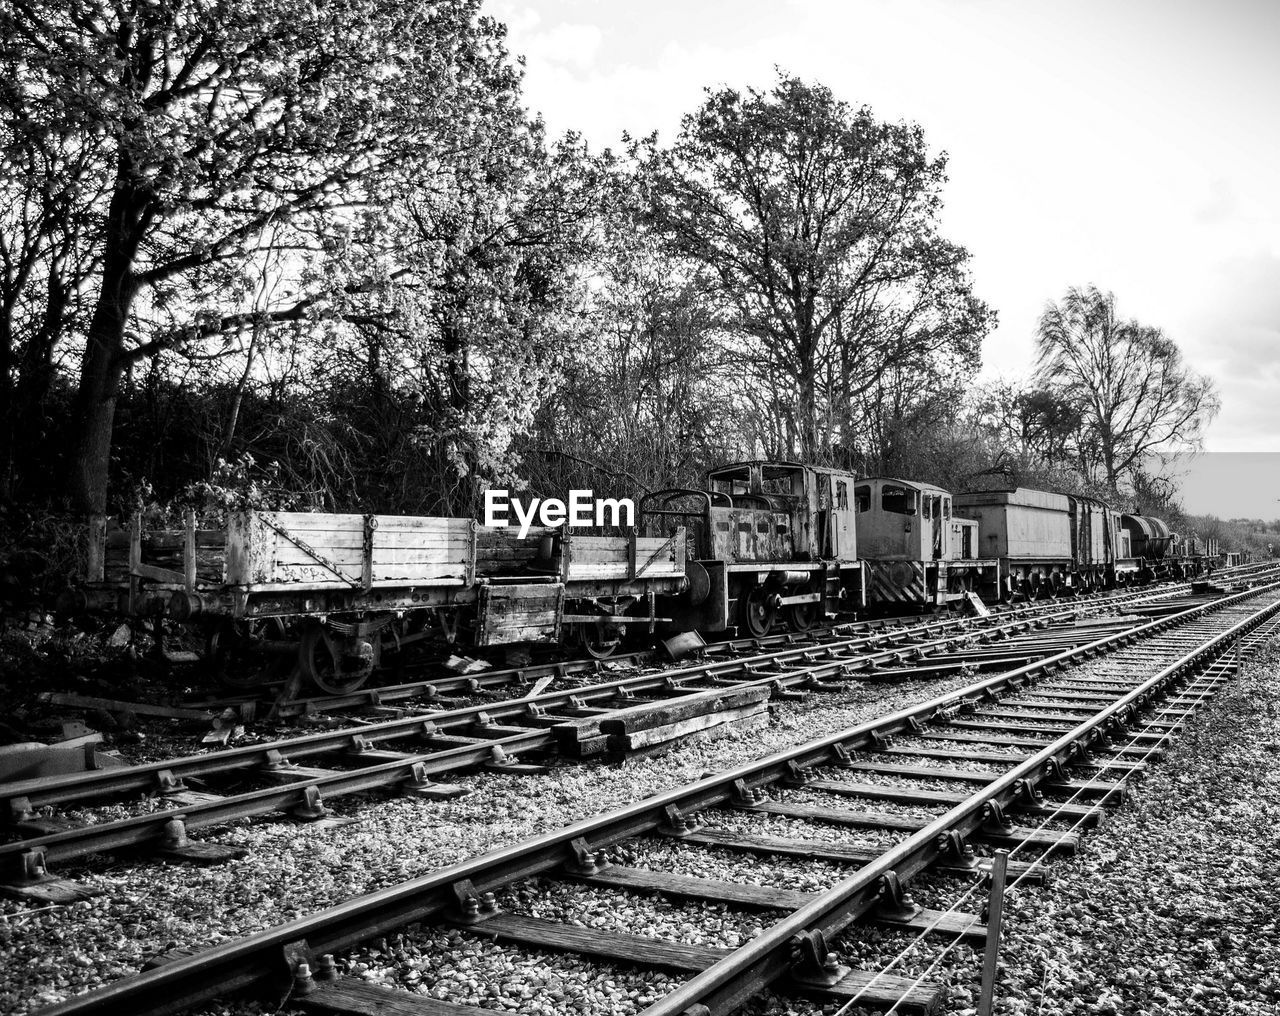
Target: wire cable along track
[1031,749]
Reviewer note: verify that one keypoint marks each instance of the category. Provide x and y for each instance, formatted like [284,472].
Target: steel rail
[431,687]
[518,675]
[259,959]
[767,957]
[44,791]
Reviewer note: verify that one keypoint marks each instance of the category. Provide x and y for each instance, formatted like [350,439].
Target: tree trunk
[94,410]
[7,401]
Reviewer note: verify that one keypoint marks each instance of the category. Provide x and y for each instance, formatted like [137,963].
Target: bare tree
[1135,395]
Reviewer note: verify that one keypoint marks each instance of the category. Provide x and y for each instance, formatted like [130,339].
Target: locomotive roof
[920,485]
[780,464]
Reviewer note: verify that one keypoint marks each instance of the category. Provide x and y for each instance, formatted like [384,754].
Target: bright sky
[1134,144]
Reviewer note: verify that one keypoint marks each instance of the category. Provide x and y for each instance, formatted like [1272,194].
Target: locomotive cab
[915,550]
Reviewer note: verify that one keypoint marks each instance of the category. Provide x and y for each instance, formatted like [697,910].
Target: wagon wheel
[599,639]
[335,665]
[758,612]
[802,616]
[241,654]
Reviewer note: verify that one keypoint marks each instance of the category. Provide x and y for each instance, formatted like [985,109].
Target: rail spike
[797,775]
[298,959]
[677,823]
[1028,793]
[745,796]
[312,806]
[585,861]
[475,906]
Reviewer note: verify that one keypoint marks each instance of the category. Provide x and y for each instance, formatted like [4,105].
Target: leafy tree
[461,296]
[227,131]
[1134,395]
[1037,425]
[818,226]
[647,393]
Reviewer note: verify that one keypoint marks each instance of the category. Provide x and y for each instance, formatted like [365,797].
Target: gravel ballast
[1174,905]
[293,870]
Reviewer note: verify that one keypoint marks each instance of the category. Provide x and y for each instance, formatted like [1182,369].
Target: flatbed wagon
[338,588]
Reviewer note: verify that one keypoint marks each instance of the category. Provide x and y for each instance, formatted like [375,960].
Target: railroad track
[1033,753]
[442,684]
[578,722]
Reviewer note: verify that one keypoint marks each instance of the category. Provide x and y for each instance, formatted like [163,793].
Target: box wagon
[1048,543]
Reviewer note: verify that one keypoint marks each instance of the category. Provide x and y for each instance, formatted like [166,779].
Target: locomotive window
[787,481]
[762,527]
[927,507]
[842,495]
[898,500]
[862,497]
[946,507]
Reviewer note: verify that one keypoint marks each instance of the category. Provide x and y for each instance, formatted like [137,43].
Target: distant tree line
[320,255]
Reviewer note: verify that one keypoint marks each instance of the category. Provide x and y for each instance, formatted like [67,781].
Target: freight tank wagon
[916,553]
[1164,554]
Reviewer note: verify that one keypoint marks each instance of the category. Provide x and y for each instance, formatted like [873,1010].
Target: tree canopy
[223,133]
[323,256]
[818,224]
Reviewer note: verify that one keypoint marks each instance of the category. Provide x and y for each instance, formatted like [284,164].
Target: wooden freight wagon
[335,588]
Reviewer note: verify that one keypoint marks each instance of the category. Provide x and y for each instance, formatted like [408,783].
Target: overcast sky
[1134,144]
